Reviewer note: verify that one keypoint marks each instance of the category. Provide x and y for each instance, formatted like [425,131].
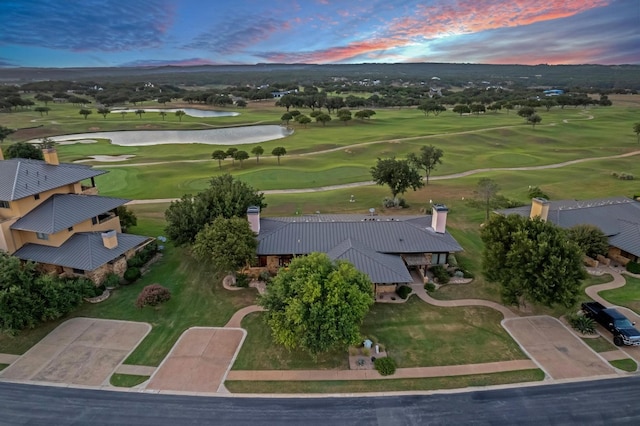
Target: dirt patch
[81,351]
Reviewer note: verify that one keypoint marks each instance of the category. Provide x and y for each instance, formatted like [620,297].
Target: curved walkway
[236,319]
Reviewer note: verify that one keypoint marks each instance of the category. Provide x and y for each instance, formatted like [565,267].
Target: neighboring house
[48,216]
[385,248]
[617,217]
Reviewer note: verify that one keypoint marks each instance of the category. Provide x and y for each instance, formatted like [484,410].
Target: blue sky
[95,33]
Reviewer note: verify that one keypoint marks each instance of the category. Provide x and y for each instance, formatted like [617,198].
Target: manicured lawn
[388,385]
[3,366]
[599,344]
[416,334]
[628,296]
[127,380]
[625,364]
[259,352]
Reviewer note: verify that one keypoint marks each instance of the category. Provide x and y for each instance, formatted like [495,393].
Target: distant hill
[585,76]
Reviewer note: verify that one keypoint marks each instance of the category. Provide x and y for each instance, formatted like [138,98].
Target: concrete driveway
[80,351]
[199,361]
[558,352]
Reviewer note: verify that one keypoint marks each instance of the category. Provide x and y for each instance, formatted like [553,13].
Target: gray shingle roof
[62,211]
[381,268]
[407,235]
[615,216]
[84,250]
[21,178]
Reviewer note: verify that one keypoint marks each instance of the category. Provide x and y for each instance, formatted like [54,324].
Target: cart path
[432,178]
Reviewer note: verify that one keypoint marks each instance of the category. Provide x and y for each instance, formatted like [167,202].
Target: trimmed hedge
[441,274]
[385,366]
[403,291]
[132,274]
[633,267]
[153,295]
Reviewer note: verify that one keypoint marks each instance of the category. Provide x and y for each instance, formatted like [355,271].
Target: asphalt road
[612,401]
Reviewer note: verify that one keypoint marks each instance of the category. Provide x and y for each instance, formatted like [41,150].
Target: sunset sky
[96,33]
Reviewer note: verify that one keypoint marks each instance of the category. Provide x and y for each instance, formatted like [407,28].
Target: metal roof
[62,211]
[20,178]
[412,235]
[381,268]
[617,217]
[84,250]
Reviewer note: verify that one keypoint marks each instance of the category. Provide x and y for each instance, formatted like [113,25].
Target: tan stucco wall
[55,240]
[385,288]
[24,205]
[8,241]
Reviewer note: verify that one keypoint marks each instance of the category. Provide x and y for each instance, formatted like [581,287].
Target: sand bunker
[106,158]
[77,141]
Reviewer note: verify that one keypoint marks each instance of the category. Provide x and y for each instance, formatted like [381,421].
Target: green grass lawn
[628,295]
[599,344]
[127,380]
[387,385]
[625,364]
[3,366]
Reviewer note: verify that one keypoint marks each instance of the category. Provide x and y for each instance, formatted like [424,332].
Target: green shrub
[153,295]
[430,287]
[582,323]
[385,366]
[441,274]
[467,274]
[403,291]
[132,274]
[111,280]
[452,261]
[536,192]
[242,280]
[402,203]
[633,267]
[135,261]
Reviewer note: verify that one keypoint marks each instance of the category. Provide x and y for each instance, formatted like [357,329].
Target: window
[4,204]
[36,197]
[439,258]
[42,236]
[70,229]
[78,271]
[94,220]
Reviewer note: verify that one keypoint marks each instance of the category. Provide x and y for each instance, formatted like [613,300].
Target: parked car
[623,330]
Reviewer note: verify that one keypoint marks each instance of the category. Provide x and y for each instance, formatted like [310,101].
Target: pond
[188,111]
[226,136]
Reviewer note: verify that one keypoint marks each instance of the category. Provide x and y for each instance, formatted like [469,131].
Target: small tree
[427,160]
[323,118]
[534,119]
[636,130]
[229,244]
[219,155]
[241,156]
[180,113]
[279,151]
[42,110]
[461,109]
[231,152]
[486,190]
[398,175]
[85,112]
[526,112]
[23,150]
[303,119]
[162,114]
[153,295]
[241,103]
[104,111]
[122,114]
[344,115]
[286,117]
[139,113]
[257,151]
[4,132]
[128,218]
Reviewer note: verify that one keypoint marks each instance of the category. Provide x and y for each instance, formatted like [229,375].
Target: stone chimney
[539,208]
[439,218]
[253,216]
[110,239]
[51,156]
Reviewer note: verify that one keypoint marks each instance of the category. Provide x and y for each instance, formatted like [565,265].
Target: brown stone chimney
[51,156]
[539,208]
[253,216]
[110,239]
[439,218]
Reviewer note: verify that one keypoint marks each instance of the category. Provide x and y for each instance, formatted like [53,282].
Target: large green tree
[316,304]
[532,260]
[241,156]
[219,155]
[128,219]
[279,151]
[257,151]
[427,160]
[398,175]
[229,244]
[85,112]
[226,197]
[23,150]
